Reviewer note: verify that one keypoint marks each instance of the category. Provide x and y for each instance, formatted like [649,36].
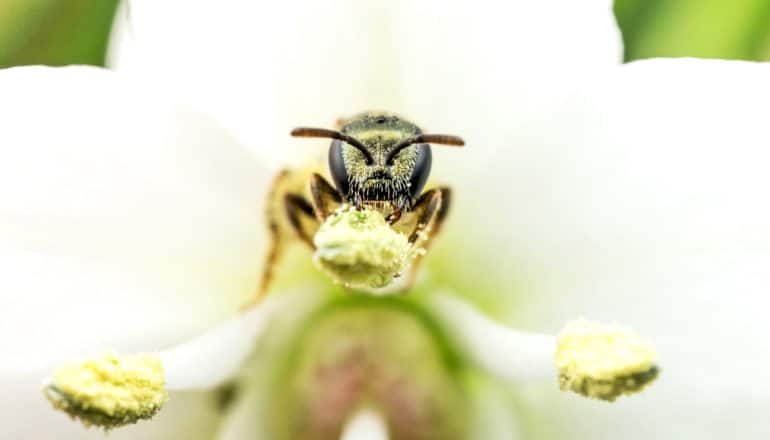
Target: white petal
[96,165]
[706,315]
[501,351]
[365,424]
[57,307]
[54,308]
[126,222]
[262,71]
[670,152]
[481,68]
[662,158]
[446,64]
[643,200]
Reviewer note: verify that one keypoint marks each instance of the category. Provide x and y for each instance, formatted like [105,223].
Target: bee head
[379,157]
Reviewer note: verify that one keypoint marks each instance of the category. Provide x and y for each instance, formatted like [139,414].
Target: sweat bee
[376,160]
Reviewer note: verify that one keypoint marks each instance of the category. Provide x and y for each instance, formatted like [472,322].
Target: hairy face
[398,181]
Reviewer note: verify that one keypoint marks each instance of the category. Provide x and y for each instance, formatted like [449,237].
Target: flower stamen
[108,390]
[359,249]
[111,390]
[603,361]
[594,360]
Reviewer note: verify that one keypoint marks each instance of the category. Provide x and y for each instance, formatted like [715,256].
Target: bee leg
[446,202]
[301,217]
[394,216]
[326,199]
[438,222]
[425,209]
[275,239]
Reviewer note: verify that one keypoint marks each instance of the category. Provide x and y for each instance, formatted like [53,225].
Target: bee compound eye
[421,170]
[337,167]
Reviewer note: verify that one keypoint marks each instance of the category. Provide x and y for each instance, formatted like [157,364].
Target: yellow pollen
[359,249]
[109,390]
[603,361]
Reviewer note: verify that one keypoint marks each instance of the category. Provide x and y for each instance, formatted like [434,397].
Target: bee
[376,160]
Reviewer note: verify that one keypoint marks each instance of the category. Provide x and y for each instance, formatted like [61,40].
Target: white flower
[631,193]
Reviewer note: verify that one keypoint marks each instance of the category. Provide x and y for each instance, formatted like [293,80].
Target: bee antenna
[440,139]
[331,134]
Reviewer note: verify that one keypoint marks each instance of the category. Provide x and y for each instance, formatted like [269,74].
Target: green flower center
[378,353]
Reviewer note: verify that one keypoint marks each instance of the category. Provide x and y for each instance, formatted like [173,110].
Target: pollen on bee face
[108,390]
[359,249]
[603,361]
